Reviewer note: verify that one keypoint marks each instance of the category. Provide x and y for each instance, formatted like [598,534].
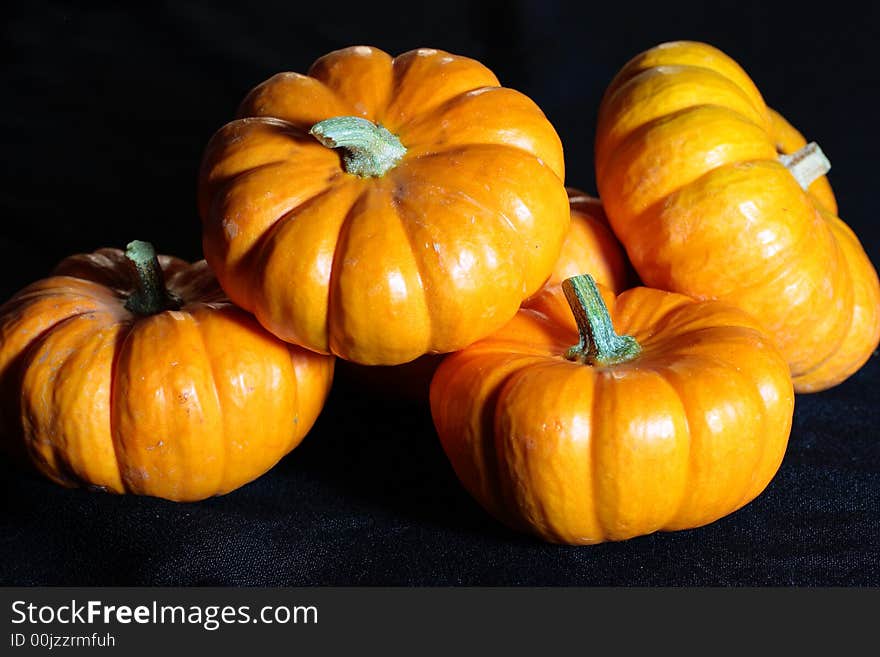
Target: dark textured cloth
[105,116]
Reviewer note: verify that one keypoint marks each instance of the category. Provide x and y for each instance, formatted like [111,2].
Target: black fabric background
[105,114]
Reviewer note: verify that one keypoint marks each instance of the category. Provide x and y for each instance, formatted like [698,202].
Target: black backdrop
[105,115]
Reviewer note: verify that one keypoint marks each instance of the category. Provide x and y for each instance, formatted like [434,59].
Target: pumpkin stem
[150,295]
[599,344]
[806,165]
[371,149]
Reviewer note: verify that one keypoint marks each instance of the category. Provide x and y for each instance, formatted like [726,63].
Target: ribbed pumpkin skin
[590,246]
[687,167]
[427,258]
[183,404]
[691,430]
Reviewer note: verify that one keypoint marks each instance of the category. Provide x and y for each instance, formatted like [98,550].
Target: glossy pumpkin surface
[700,182]
[688,429]
[183,403]
[420,234]
[590,246]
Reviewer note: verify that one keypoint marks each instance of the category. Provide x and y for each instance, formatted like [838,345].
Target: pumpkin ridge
[341,57]
[405,212]
[218,154]
[21,303]
[790,255]
[794,253]
[223,452]
[661,318]
[519,157]
[219,197]
[224,183]
[416,154]
[121,338]
[684,338]
[609,162]
[253,105]
[403,64]
[675,512]
[611,395]
[37,291]
[534,508]
[734,372]
[753,490]
[337,265]
[612,146]
[408,221]
[119,334]
[496,480]
[832,349]
[594,493]
[196,282]
[401,207]
[500,343]
[58,468]
[670,54]
[168,414]
[846,258]
[436,114]
[488,488]
[747,93]
[258,255]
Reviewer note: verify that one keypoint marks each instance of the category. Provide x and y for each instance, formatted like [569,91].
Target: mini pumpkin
[582,426]
[717,196]
[590,246]
[134,374]
[383,208]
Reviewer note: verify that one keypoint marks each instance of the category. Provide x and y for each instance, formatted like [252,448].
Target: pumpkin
[591,418]
[589,247]
[716,196]
[129,373]
[382,208]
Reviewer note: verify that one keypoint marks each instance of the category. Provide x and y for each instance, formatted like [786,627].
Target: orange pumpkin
[679,421]
[382,208]
[590,246]
[132,374]
[716,196]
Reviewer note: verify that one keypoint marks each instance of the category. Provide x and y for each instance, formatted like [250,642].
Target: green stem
[150,296]
[599,344]
[371,149]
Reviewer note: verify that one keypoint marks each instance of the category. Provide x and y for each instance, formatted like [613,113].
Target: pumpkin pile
[614,367]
